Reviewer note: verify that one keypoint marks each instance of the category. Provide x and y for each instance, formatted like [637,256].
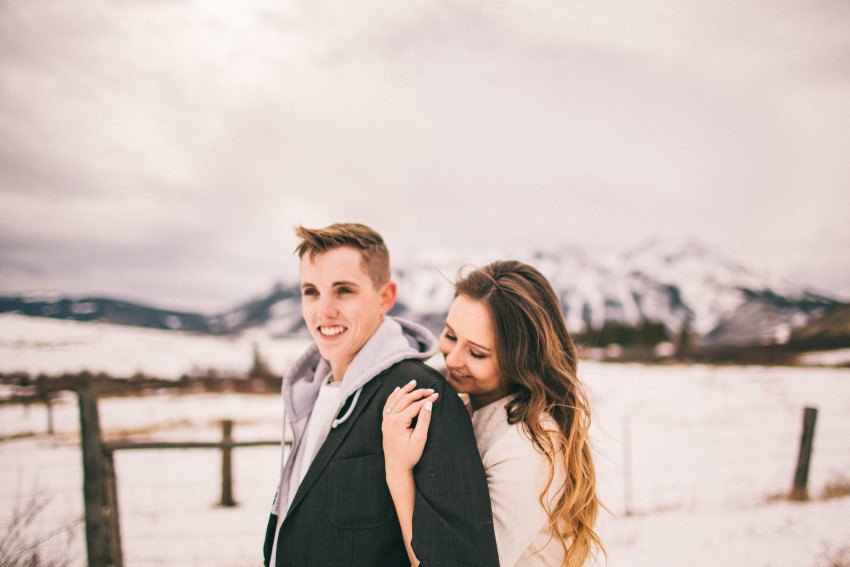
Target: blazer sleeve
[452,518]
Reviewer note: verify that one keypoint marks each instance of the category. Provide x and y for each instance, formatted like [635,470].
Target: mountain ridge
[683,287]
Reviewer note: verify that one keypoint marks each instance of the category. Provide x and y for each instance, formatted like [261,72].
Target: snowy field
[692,461]
[54,346]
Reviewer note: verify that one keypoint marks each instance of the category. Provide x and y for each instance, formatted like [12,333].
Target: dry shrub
[20,547]
[837,487]
[838,557]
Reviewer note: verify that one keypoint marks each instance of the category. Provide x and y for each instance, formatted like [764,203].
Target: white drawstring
[342,419]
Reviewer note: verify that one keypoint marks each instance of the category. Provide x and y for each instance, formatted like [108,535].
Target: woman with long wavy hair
[507,347]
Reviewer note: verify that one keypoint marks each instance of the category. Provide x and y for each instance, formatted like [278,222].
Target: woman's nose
[452,357]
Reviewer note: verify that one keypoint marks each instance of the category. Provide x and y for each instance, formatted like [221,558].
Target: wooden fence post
[227,463]
[114,517]
[48,403]
[800,489]
[95,491]
[627,465]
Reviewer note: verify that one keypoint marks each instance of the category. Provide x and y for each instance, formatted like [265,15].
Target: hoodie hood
[395,340]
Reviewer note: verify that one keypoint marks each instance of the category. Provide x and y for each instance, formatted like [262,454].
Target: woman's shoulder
[491,421]
[517,473]
[493,432]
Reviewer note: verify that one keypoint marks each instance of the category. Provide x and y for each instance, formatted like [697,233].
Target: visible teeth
[331,331]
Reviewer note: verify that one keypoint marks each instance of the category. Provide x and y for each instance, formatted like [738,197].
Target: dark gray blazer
[343,514]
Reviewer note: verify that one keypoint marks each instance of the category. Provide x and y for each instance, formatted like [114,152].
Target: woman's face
[468,345]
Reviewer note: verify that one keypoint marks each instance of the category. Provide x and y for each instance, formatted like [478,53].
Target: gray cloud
[166,150]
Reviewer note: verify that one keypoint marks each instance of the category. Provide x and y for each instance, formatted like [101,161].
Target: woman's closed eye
[474,354]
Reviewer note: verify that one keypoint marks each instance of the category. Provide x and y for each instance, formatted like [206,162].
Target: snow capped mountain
[708,285]
[279,313]
[729,303]
[680,286]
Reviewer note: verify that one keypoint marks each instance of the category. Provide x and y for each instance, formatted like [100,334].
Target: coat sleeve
[517,475]
[452,518]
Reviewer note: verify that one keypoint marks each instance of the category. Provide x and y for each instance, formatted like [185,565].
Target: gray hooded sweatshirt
[394,340]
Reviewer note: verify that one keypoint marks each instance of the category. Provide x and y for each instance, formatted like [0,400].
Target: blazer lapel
[334,440]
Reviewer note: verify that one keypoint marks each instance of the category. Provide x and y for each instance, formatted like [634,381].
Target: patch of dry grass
[19,547]
[835,557]
[837,487]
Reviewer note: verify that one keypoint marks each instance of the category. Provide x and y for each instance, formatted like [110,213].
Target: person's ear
[388,294]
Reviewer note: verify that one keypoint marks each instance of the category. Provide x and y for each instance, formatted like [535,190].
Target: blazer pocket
[358,496]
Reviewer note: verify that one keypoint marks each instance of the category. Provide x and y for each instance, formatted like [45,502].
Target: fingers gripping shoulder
[427,377]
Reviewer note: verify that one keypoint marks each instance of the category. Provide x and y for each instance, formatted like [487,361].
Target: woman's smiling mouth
[458,376]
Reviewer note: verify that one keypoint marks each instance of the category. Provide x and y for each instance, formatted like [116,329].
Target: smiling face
[340,304]
[468,345]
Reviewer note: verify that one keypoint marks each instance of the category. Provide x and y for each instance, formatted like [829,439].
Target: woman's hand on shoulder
[403,444]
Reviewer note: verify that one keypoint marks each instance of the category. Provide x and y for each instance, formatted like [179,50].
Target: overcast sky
[163,151]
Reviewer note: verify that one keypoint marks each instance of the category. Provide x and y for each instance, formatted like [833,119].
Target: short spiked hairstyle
[374,256]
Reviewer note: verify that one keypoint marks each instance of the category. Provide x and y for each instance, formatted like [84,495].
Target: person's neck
[338,371]
[479,401]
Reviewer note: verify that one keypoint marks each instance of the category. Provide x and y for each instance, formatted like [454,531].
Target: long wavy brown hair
[538,361]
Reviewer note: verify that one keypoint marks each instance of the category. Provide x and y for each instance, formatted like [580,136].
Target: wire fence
[653,455]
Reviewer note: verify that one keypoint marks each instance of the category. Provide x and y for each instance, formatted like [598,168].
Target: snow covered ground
[692,461]
[54,346]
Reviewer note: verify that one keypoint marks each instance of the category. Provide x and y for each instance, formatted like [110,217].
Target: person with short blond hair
[373,252]
[333,507]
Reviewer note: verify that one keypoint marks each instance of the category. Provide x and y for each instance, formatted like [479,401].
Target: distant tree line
[637,341]
[43,387]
